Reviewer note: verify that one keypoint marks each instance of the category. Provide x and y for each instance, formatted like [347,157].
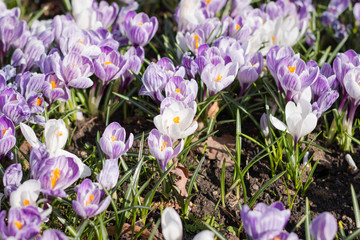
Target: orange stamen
[140,23]
[196,37]
[54,177]
[26,202]
[60,134]
[81,42]
[4,131]
[38,101]
[218,78]
[292,69]
[178,90]
[53,85]
[163,146]
[18,224]
[237,27]
[176,119]
[113,138]
[272,38]
[91,197]
[106,63]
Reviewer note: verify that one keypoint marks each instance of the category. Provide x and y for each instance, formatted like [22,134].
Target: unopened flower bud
[351,163]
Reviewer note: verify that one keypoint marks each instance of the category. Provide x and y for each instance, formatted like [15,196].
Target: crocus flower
[12,178]
[53,234]
[89,200]
[189,15]
[109,175]
[205,235]
[57,174]
[110,65]
[161,147]
[7,135]
[323,227]
[324,102]
[84,14]
[74,70]
[176,121]
[264,219]
[22,223]
[300,120]
[139,28]
[264,125]
[55,135]
[112,142]
[182,90]
[26,194]
[171,224]
[356,12]
[219,77]
[55,89]
[250,71]
[106,13]
[14,106]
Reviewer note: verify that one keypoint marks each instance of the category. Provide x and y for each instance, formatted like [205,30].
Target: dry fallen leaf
[182,175]
[213,110]
[216,150]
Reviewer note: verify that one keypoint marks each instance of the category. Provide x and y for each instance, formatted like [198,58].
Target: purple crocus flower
[273,59]
[12,33]
[55,89]
[264,219]
[134,57]
[208,55]
[53,234]
[294,76]
[79,42]
[89,201]
[154,81]
[161,147]
[110,65]
[191,67]
[211,7]
[112,142]
[325,82]
[106,13]
[56,174]
[335,8]
[29,83]
[250,71]
[101,38]
[219,77]
[323,227]
[14,106]
[356,12]
[279,235]
[22,223]
[7,135]
[182,90]
[139,28]
[12,178]
[26,59]
[324,102]
[109,175]
[74,70]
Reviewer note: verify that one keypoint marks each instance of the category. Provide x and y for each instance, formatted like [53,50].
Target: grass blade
[356,206]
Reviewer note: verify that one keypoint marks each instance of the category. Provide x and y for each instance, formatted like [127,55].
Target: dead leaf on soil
[216,151]
[127,229]
[213,110]
[182,175]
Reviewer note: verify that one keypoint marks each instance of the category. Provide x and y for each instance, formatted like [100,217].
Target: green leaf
[355,206]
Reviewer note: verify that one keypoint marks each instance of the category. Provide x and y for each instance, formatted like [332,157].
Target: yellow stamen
[53,85]
[38,101]
[196,37]
[272,38]
[81,42]
[292,69]
[54,177]
[74,64]
[218,78]
[106,63]
[4,131]
[163,146]
[26,202]
[176,119]
[91,197]
[276,238]
[60,134]
[237,27]
[140,23]
[113,138]
[178,90]
[15,99]
[18,224]
[207,2]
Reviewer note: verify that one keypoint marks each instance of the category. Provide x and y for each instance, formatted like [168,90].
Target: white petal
[29,135]
[205,235]
[171,224]
[277,123]
[29,191]
[84,170]
[308,124]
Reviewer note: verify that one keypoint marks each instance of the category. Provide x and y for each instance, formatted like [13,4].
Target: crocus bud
[264,125]
[171,224]
[306,159]
[205,235]
[53,234]
[351,163]
[109,174]
[12,178]
[324,227]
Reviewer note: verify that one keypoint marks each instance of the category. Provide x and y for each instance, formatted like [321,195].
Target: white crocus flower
[205,235]
[176,121]
[351,83]
[56,135]
[300,119]
[171,224]
[26,194]
[189,15]
[84,15]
